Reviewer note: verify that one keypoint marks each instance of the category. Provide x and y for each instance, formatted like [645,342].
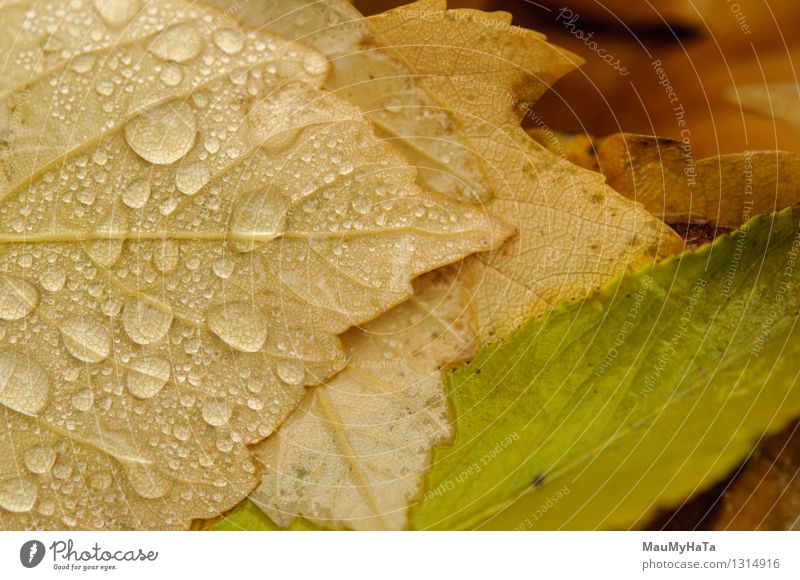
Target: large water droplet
[148,376]
[52,278]
[166,255]
[146,322]
[86,338]
[24,386]
[136,193]
[229,40]
[171,74]
[82,400]
[18,494]
[18,297]
[239,324]
[259,217]
[146,481]
[216,412]
[180,43]
[291,372]
[39,459]
[106,251]
[117,13]
[164,134]
[192,177]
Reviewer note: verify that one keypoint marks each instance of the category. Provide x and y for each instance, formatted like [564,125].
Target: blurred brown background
[706,47]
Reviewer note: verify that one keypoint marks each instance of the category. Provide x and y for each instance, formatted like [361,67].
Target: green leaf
[248,516]
[638,396]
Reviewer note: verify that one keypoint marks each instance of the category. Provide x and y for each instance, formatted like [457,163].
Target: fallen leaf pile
[278,265]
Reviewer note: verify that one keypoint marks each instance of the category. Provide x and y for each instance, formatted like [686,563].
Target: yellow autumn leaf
[188,223]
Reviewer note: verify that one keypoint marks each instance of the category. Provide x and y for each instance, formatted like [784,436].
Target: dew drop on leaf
[18,297]
[86,338]
[39,459]
[164,134]
[179,43]
[24,386]
[145,322]
[147,376]
[238,324]
[136,193]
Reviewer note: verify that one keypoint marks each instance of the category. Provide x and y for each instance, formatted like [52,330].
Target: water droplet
[117,13]
[315,64]
[52,278]
[82,400]
[166,255]
[39,459]
[104,87]
[86,338]
[216,412]
[164,134]
[83,63]
[239,324]
[171,74]
[148,376]
[24,386]
[106,251]
[192,177]
[291,372]
[85,196]
[259,217]
[136,193]
[146,322]
[18,297]
[223,268]
[146,482]
[229,40]
[178,43]
[18,494]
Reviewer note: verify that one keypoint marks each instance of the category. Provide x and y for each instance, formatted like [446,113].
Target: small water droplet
[18,297]
[179,43]
[136,193]
[39,459]
[146,322]
[239,324]
[216,412]
[229,40]
[86,338]
[192,177]
[164,134]
[148,376]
